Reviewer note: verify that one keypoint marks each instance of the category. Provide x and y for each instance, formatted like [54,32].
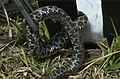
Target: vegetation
[16,61]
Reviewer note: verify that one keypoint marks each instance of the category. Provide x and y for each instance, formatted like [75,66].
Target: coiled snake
[71,31]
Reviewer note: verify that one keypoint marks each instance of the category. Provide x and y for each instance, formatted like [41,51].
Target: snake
[71,30]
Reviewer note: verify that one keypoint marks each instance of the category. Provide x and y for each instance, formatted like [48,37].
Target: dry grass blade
[7,45]
[2,75]
[93,62]
[10,30]
[16,62]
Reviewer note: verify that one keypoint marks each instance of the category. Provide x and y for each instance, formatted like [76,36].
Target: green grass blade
[116,33]
[46,32]
[117,61]
[116,66]
[24,57]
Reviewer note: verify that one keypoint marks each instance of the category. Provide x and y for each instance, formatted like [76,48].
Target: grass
[16,61]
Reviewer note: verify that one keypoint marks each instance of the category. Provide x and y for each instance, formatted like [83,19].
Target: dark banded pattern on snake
[71,31]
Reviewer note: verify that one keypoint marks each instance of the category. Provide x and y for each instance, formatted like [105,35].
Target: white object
[94,30]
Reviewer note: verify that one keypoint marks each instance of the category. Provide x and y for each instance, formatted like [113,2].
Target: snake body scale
[71,30]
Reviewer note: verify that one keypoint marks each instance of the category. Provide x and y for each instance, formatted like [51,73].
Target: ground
[17,62]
